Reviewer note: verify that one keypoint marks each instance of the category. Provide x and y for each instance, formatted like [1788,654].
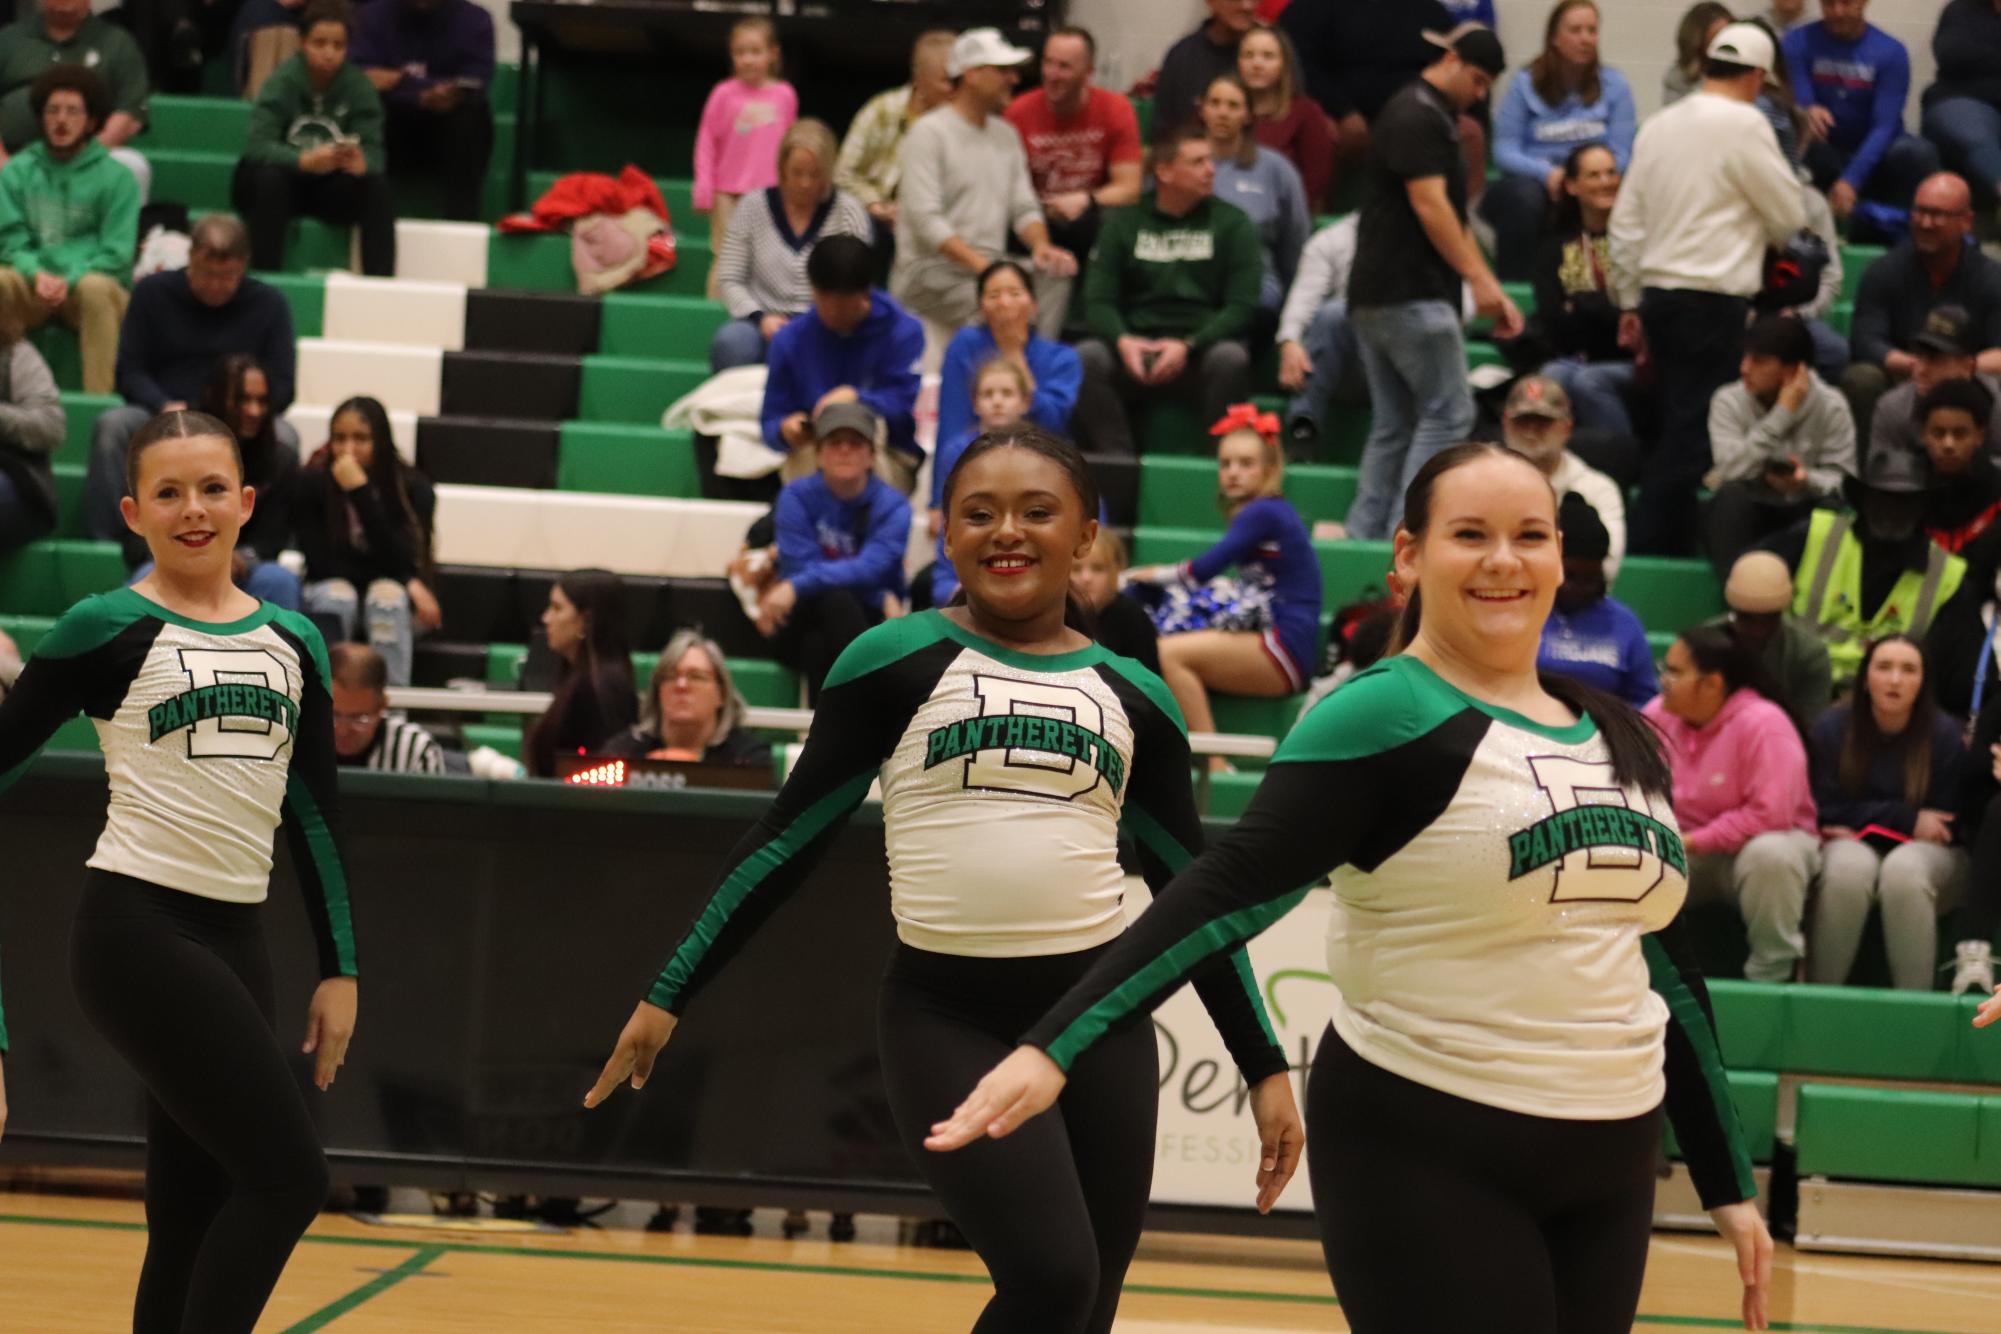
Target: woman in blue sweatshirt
[1590,636]
[1852,79]
[1562,99]
[1007,329]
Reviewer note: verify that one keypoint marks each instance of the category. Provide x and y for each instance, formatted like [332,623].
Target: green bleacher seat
[1898,1135]
[1841,316]
[195,177]
[677,327]
[542,263]
[1855,261]
[83,568]
[627,460]
[503,737]
[29,582]
[1229,794]
[211,124]
[306,294]
[1870,1033]
[633,389]
[80,414]
[1669,594]
[1254,717]
[1750,1023]
[69,499]
[1181,491]
[58,344]
[26,631]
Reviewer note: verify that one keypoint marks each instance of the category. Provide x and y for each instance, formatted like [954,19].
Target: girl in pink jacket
[1742,794]
[736,145]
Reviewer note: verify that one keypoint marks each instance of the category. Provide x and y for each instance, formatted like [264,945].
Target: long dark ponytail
[1026,435]
[1637,759]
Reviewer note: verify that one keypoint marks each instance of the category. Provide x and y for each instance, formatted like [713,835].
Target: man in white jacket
[1708,192]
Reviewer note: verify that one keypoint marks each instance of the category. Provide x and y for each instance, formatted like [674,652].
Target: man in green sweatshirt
[1169,295]
[69,222]
[316,146]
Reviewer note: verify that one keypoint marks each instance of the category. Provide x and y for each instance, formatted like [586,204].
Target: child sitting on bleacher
[1123,625]
[1257,636]
[736,144]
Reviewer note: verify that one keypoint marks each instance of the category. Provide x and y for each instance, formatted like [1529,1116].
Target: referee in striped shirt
[365,736]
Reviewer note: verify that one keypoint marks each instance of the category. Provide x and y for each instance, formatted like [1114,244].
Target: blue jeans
[391,632]
[1968,134]
[1830,350]
[737,343]
[20,522]
[1330,344]
[265,580]
[1597,392]
[1415,358]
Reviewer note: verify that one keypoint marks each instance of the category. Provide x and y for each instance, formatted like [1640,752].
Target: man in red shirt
[1083,150]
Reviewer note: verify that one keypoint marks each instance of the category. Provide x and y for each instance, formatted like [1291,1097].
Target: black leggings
[1055,1209]
[181,987]
[1438,1213]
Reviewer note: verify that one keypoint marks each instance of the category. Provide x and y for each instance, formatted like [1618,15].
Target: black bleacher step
[439,662]
[761,490]
[710,605]
[1118,485]
[489,451]
[478,603]
[649,606]
[511,384]
[554,323]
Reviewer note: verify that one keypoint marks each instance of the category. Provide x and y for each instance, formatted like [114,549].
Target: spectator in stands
[1318,357]
[1979,830]
[1852,79]
[1786,15]
[432,63]
[871,162]
[595,701]
[1123,625]
[1886,779]
[1742,794]
[1576,311]
[363,522]
[180,323]
[1862,574]
[761,272]
[842,533]
[238,395]
[1759,594]
[1831,354]
[1283,117]
[1782,440]
[1938,265]
[69,223]
[1002,391]
[1261,183]
[1707,193]
[1007,330]
[1698,28]
[1942,349]
[365,735]
[1192,63]
[65,32]
[737,142]
[1536,423]
[1083,150]
[1169,300]
[965,189]
[691,711]
[1561,101]
[1278,585]
[1775,102]
[316,147]
[1962,108]
[1965,494]
[856,344]
[31,430]
[1412,255]
[1591,636]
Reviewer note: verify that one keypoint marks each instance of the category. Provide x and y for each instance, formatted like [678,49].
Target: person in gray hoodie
[31,429]
[1781,437]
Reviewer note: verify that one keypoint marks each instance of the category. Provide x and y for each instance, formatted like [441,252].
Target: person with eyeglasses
[365,736]
[691,710]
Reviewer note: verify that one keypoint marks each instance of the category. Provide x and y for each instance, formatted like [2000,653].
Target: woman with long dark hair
[363,522]
[238,394]
[1576,321]
[595,699]
[1886,778]
[1011,751]
[1513,1000]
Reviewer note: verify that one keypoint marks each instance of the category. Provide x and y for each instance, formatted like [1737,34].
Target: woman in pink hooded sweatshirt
[1742,794]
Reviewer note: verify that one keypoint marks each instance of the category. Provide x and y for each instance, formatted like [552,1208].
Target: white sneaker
[1975,969]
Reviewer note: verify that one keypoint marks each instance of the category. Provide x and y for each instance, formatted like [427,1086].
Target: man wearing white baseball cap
[965,187]
[1707,192]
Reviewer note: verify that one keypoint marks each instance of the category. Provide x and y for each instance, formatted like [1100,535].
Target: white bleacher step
[405,379]
[314,423]
[568,530]
[407,311]
[442,252]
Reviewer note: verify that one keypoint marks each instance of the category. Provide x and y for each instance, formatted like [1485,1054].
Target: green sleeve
[270,116]
[311,812]
[18,250]
[367,123]
[1699,1105]
[1237,250]
[125,71]
[117,228]
[1103,276]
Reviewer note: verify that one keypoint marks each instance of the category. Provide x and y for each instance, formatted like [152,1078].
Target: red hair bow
[1246,417]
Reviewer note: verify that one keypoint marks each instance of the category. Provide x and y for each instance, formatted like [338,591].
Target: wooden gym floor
[69,1263]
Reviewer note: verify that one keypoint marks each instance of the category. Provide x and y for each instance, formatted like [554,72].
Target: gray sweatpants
[1914,883]
[1766,881]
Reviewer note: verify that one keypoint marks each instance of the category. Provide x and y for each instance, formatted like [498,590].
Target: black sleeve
[1413,142]
[311,812]
[1160,815]
[1699,1105]
[47,694]
[1306,819]
[392,553]
[270,528]
[854,729]
[309,524]
[1869,325]
[1789,545]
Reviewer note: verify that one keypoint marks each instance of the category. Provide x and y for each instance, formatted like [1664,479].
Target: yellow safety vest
[1827,591]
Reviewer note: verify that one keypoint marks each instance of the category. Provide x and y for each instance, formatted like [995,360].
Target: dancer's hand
[1281,1135]
[1023,1085]
[1743,1227]
[1989,1011]
[645,1034]
[330,1027]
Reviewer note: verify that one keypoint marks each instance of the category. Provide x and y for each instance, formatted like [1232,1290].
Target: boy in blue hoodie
[855,343]
[1852,79]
